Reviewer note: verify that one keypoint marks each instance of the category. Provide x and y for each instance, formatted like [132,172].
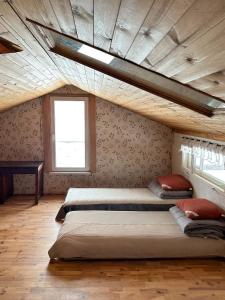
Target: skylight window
[96,54]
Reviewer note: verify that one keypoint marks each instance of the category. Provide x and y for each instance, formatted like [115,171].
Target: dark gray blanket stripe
[119,207]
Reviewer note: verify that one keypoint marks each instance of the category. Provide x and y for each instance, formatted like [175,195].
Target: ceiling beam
[131,73]
[8,47]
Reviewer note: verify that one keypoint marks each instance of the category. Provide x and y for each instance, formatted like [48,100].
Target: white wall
[202,188]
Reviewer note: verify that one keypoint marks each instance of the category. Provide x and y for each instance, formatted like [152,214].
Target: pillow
[174,183]
[198,208]
[155,187]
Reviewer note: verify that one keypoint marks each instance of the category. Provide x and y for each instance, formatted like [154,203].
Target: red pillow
[174,183]
[199,208]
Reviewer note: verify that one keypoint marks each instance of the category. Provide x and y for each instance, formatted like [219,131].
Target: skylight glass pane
[96,54]
[69,134]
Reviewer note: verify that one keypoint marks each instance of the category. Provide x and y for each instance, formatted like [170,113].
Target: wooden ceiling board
[201,16]
[26,80]
[15,26]
[105,16]
[203,84]
[183,39]
[64,15]
[201,69]
[83,19]
[131,16]
[160,19]
[185,62]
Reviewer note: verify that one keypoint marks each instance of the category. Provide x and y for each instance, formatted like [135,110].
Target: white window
[69,134]
[205,159]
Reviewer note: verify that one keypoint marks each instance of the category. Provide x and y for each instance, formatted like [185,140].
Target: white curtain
[212,152]
[186,146]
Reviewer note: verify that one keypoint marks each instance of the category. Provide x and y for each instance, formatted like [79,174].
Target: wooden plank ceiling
[183,40]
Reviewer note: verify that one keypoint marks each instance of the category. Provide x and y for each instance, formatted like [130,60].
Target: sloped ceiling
[183,40]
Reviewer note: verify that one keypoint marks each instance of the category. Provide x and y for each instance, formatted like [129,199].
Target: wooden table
[9,168]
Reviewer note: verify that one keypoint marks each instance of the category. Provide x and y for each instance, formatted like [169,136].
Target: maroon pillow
[174,183]
[198,208]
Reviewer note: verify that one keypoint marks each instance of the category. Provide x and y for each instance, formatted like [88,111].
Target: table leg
[6,187]
[42,181]
[37,188]
[38,184]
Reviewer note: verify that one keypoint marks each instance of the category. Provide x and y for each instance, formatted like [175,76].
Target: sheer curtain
[206,151]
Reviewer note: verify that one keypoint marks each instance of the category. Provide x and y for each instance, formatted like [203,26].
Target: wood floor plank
[26,233]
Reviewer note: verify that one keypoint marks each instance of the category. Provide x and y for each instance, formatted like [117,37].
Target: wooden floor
[26,233]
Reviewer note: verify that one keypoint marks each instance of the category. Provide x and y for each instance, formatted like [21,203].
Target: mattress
[127,235]
[135,199]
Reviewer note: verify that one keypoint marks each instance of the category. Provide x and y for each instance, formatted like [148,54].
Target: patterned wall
[131,149]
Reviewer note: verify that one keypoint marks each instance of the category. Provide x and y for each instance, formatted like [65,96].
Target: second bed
[119,199]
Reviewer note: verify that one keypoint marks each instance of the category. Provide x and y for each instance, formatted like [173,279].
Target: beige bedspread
[123,234]
[112,195]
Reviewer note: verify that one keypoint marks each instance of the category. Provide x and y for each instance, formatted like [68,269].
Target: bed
[128,235]
[129,199]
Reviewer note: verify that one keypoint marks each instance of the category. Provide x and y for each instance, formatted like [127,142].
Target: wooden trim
[92,132]
[70,95]
[8,47]
[47,133]
[210,136]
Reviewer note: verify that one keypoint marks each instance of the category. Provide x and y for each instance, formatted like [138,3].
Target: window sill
[213,185]
[70,173]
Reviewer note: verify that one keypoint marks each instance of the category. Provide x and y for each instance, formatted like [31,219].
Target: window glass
[197,162]
[211,167]
[187,161]
[69,134]
[214,168]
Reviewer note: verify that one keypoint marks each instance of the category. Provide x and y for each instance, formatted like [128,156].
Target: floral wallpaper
[131,149]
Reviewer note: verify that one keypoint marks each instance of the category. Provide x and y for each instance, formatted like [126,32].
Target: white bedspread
[128,234]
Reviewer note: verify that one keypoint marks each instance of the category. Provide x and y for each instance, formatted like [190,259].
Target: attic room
[112,149]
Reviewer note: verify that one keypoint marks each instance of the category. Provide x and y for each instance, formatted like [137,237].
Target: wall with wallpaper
[131,149]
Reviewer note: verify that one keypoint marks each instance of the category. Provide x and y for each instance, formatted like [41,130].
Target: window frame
[49,133]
